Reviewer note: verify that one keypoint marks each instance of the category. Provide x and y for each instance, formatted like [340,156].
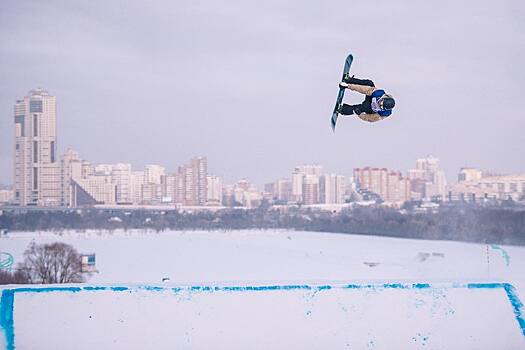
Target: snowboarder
[377,104]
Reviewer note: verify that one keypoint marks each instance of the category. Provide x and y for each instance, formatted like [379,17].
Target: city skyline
[175,167]
[254,88]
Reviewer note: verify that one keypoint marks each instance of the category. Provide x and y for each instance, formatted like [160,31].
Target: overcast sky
[251,84]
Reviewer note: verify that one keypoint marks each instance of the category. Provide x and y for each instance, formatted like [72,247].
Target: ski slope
[273,289]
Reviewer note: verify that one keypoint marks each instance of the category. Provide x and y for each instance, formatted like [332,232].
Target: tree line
[471,223]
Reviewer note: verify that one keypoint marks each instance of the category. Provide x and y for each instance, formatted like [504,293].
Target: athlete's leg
[345,109]
[364,82]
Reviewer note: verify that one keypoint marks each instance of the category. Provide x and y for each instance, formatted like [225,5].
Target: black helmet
[387,102]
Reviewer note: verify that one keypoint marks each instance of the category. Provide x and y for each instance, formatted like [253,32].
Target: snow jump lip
[8,294]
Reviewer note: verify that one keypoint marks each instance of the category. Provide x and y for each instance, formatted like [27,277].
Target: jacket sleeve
[365,90]
[370,117]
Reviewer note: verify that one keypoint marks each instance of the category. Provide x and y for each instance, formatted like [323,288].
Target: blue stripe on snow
[6,317]
[517,305]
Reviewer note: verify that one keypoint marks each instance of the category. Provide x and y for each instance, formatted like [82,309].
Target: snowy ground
[441,317]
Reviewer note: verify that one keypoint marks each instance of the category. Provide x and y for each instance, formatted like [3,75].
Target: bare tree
[52,263]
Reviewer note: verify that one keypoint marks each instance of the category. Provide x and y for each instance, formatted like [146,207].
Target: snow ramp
[270,316]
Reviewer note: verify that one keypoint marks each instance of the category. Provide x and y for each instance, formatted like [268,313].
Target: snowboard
[340,95]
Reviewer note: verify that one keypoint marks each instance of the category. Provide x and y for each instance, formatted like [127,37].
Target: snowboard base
[341,94]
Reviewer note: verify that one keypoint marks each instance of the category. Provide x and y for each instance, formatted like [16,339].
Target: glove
[343,85]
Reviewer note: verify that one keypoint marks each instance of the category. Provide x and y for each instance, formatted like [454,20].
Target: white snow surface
[370,318]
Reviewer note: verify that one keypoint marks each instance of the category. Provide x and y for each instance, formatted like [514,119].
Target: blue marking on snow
[46,289]
[94,288]
[485,285]
[324,287]
[517,305]
[503,253]
[153,288]
[8,295]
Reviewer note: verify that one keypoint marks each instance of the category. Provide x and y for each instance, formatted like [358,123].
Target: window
[20,120]
[35,106]
[35,178]
[35,125]
[35,152]
[52,151]
[17,146]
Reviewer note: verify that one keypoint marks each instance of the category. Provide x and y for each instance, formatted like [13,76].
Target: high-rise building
[280,190]
[67,176]
[332,189]
[121,177]
[36,170]
[214,190]
[389,185]
[427,180]
[191,182]
[137,181]
[298,176]
[168,184]
[311,189]
[283,190]
[297,187]
[243,193]
[153,173]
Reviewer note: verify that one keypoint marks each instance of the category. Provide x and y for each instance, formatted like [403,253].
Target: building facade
[191,182]
[427,180]
[36,168]
[391,186]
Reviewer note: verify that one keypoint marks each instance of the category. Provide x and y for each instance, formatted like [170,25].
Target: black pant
[365,106]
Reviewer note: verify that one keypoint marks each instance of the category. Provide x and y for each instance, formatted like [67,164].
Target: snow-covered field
[301,298]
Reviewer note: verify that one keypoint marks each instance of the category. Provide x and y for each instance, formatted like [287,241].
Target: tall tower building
[37,172]
[214,190]
[191,182]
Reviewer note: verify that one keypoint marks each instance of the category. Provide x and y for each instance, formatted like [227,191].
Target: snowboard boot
[348,79]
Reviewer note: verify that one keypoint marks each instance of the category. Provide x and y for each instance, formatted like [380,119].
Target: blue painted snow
[517,305]
[503,253]
[7,304]
[8,295]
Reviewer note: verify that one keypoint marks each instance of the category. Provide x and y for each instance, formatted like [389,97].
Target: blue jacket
[382,112]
